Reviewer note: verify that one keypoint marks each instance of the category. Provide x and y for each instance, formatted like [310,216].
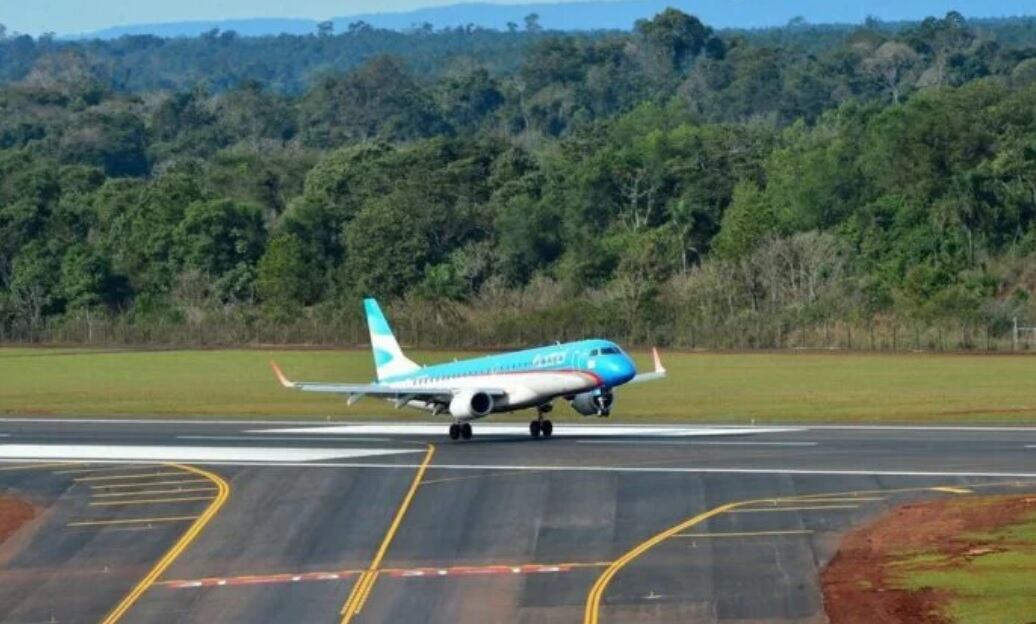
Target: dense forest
[872,186]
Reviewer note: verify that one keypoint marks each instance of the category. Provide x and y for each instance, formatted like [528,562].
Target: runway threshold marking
[362,588]
[181,545]
[591,614]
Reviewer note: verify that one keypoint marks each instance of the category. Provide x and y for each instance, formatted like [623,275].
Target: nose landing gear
[542,426]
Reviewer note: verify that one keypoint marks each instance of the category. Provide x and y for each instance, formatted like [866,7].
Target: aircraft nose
[621,370]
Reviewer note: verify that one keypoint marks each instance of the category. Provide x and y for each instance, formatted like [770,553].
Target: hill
[618,15]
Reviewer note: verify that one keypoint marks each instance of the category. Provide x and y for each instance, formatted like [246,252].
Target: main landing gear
[460,430]
[542,426]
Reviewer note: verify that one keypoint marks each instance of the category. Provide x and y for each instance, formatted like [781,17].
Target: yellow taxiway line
[181,545]
[362,588]
[593,600]
[591,614]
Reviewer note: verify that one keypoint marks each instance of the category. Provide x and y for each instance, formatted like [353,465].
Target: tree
[674,36]
[285,280]
[748,221]
[646,262]
[893,63]
[389,245]
[326,29]
[224,240]
[377,100]
[532,23]
[467,100]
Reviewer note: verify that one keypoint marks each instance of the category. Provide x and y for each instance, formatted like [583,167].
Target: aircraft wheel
[547,428]
[534,428]
[454,431]
[465,431]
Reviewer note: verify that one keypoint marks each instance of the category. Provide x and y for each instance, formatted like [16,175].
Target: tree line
[671,184]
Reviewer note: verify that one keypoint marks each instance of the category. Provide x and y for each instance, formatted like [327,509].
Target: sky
[81,16]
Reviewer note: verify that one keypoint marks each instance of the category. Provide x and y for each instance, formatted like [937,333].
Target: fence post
[1014,336]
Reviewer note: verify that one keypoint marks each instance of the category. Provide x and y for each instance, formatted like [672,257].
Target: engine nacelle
[594,403]
[471,405]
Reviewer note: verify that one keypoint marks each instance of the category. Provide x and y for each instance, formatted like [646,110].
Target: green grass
[996,588]
[706,387]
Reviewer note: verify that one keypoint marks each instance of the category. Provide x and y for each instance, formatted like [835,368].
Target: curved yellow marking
[593,600]
[362,589]
[223,493]
[591,614]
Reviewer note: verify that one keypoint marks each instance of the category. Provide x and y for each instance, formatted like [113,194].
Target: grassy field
[705,387]
[993,588]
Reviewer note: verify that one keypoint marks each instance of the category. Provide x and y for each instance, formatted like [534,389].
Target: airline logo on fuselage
[549,359]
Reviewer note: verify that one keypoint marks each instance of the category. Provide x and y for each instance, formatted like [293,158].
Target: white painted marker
[561,430]
[204,454]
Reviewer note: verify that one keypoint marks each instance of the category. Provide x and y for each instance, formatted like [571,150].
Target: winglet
[655,375]
[658,361]
[287,383]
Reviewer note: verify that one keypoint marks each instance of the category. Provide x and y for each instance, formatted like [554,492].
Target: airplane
[585,373]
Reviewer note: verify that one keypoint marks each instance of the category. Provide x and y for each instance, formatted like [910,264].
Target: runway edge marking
[362,588]
[223,493]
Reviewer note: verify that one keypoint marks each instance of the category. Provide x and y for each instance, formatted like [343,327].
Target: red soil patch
[858,584]
[14,512]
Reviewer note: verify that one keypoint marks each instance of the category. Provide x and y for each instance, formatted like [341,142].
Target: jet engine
[594,403]
[471,405]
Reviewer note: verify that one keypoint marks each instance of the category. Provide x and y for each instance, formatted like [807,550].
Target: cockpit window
[605,351]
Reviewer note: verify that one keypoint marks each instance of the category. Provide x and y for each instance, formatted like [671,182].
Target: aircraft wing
[658,373]
[400,395]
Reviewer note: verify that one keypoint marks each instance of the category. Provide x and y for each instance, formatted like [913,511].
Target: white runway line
[696,444]
[560,430]
[260,438]
[604,469]
[802,426]
[193,454]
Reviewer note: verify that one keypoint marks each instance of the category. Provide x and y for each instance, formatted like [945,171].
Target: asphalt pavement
[190,521]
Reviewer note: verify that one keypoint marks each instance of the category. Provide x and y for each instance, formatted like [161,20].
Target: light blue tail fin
[389,360]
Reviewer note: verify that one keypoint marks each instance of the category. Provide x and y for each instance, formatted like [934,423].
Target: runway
[295,522]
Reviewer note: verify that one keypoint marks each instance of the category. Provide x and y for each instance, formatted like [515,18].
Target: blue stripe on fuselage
[613,370]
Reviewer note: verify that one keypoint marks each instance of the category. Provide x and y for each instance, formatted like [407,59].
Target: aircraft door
[581,360]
